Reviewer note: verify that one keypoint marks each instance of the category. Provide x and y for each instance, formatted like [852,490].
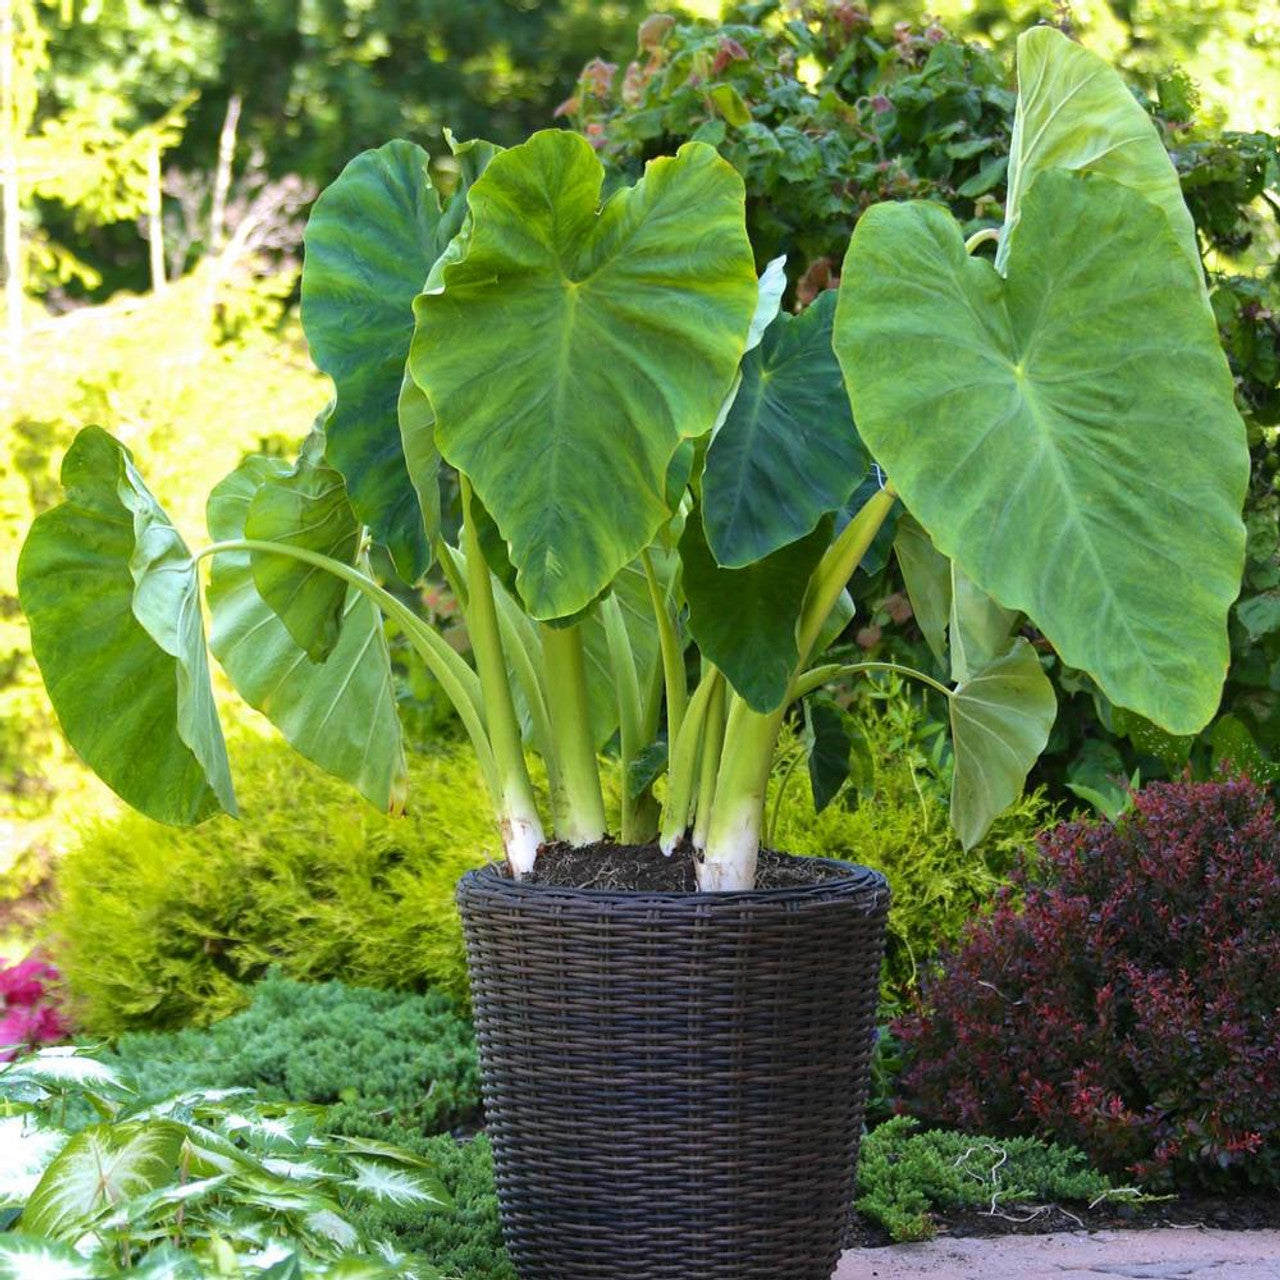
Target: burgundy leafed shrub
[1131,1006]
[29,1015]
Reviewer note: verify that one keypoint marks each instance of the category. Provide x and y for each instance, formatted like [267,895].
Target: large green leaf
[1000,722]
[371,241]
[418,440]
[389,1184]
[340,713]
[100,1167]
[111,593]
[1075,112]
[574,347]
[788,452]
[305,507]
[417,417]
[67,1069]
[744,620]
[1067,436]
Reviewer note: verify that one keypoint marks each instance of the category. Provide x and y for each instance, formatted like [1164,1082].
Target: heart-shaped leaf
[371,241]
[575,346]
[340,713]
[788,452]
[304,507]
[418,440]
[1000,722]
[111,593]
[1062,432]
[1076,113]
[744,620]
[101,1166]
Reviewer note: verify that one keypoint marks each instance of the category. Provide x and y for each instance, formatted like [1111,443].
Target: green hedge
[157,927]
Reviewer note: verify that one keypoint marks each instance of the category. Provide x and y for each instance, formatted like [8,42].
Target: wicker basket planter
[674,1084]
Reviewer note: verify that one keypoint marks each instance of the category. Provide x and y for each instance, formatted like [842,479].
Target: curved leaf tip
[113,600]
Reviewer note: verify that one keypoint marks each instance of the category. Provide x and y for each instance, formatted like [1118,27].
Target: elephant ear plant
[650,454]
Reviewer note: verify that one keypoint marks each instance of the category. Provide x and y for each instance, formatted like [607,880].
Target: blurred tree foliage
[320,80]
[1231,48]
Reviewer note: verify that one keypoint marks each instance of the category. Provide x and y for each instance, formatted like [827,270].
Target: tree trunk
[222,175]
[12,244]
[155,223]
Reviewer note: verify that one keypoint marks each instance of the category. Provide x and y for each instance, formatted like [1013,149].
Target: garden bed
[1220,1213]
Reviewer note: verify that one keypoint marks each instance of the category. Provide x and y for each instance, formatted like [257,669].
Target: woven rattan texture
[674,1084]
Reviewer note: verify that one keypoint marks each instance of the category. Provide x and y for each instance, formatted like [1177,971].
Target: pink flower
[24,983]
[27,1017]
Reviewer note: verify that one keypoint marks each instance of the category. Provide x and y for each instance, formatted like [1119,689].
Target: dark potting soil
[645,867]
[1224,1213]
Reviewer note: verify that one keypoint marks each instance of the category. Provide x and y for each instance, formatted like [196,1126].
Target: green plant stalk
[836,567]
[673,672]
[819,676]
[737,811]
[521,648]
[518,821]
[454,574]
[772,829]
[682,770]
[460,684]
[579,804]
[637,826]
[712,748]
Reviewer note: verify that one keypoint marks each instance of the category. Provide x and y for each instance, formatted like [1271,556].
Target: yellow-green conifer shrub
[902,830]
[158,927]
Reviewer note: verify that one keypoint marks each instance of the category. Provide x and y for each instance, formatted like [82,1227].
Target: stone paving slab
[1168,1253]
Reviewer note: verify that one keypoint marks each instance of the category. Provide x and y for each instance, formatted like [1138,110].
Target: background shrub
[156,927]
[383,1061]
[903,830]
[1132,1006]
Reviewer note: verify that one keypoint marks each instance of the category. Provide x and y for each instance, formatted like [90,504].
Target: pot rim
[861,884]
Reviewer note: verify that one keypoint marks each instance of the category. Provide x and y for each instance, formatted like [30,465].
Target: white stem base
[729,863]
[522,837]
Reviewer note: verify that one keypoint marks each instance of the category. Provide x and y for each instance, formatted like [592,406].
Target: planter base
[674,1084]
